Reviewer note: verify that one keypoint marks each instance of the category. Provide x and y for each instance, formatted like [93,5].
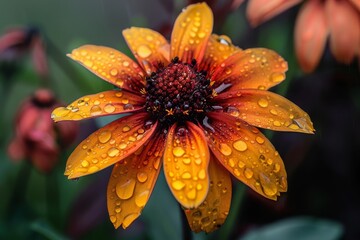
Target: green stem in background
[186,231]
[67,67]
[19,188]
[227,229]
[52,199]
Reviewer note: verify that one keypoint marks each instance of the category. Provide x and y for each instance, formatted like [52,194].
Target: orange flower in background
[195,105]
[318,19]
[37,138]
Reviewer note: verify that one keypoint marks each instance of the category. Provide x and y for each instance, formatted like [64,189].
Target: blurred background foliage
[323,201]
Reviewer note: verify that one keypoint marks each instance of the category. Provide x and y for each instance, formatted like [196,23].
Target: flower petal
[186,160]
[111,65]
[132,182]
[219,48]
[356,4]
[100,104]
[191,32]
[247,154]
[344,24]
[259,11]
[311,31]
[257,68]
[147,46]
[265,109]
[109,145]
[212,213]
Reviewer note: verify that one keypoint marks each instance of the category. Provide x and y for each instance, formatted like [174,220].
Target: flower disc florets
[178,92]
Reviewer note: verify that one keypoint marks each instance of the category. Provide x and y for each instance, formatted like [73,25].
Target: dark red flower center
[178,92]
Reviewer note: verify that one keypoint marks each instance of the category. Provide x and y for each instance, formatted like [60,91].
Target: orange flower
[195,114]
[317,19]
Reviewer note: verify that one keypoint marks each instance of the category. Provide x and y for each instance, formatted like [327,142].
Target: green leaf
[299,228]
[162,213]
[45,230]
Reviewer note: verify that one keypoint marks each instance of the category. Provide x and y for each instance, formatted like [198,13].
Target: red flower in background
[318,19]
[37,138]
[18,41]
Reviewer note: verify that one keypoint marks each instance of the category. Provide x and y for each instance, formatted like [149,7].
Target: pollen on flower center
[178,92]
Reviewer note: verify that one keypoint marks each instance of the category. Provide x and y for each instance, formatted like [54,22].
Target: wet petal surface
[132,182]
[100,104]
[186,160]
[111,65]
[147,46]
[255,68]
[344,23]
[191,32]
[109,145]
[247,154]
[265,109]
[311,31]
[218,49]
[212,213]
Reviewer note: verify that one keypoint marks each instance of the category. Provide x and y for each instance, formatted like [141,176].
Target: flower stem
[52,199]
[187,234]
[19,189]
[227,229]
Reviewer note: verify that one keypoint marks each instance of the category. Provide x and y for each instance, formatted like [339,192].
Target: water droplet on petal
[248,173]
[202,174]
[268,187]
[186,175]
[143,51]
[191,194]
[113,152]
[240,145]
[104,136]
[126,129]
[277,167]
[109,108]
[95,110]
[263,102]
[178,151]
[60,112]
[93,169]
[156,163]
[277,77]
[178,185]
[233,111]
[141,199]
[273,112]
[186,161]
[276,123]
[125,190]
[142,177]
[201,34]
[85,163]
[113,72]
[260,140]
[225,149]
[241,164]
[129,219]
